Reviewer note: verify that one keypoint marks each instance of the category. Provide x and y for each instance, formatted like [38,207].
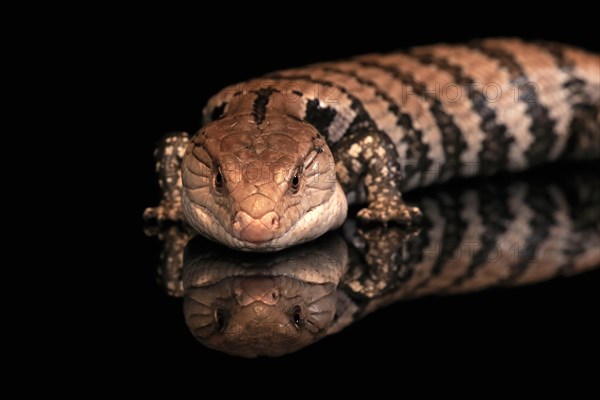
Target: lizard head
[261,188]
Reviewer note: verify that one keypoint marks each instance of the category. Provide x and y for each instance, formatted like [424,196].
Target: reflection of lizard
[261,174]
[471,238]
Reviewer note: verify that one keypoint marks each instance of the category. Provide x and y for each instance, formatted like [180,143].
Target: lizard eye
[295,184]
[218,180]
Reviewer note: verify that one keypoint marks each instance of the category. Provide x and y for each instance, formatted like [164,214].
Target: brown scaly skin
[261,187]
[261,174]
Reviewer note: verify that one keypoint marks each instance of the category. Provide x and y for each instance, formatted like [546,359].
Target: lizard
[279,158]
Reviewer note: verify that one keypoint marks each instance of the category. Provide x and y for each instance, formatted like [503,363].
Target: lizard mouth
[312,223]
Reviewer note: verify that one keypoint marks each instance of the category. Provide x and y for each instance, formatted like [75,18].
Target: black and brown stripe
[520,104]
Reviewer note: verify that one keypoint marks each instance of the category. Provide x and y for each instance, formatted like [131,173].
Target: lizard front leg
[169,154]
[369,157]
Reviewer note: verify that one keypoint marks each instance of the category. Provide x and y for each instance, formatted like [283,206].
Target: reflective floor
[471,273]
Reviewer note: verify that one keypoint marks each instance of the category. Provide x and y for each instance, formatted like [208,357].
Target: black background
[170,70]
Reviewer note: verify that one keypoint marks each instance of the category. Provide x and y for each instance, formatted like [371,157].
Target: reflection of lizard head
[264,304]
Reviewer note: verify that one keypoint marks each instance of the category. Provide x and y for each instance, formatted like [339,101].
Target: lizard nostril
[275,222]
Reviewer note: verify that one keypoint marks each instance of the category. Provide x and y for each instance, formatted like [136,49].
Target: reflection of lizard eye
[297,317]
[220,319]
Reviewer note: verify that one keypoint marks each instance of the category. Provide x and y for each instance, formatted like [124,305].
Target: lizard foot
[399,213]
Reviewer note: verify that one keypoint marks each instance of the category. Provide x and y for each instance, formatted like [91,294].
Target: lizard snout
[255,230]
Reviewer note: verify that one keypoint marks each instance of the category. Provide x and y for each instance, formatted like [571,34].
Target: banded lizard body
[279,158]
